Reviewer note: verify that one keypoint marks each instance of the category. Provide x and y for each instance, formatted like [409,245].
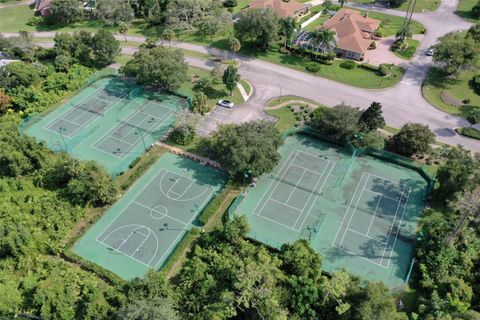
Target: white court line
[295,187]
[153,209]
[284,204]
[398,230]
[316,193]
[120,140]
[382,194]
[174,242]
[279,223]
[366,235]
[257,212]
[179,175]
[374,214]
[389,180]
[184,191]
[348,209]
[312,171]
[366,259]
[123,253]
[57,131]
[355,209]
[73,107]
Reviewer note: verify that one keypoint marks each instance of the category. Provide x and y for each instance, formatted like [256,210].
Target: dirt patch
[448,99]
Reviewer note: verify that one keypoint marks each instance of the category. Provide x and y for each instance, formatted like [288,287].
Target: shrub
[182,135]
[384,70]
[35,21]
[283,50]
[348,64]
[476,83]
[466,101]
[134,162]
[230,3]
[312,67]
[369,67]
[373,45]
[379,33]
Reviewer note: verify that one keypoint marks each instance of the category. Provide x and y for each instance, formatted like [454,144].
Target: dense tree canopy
[66,11]
[161,66]
[246,149]
[259,27]
[413,138]
[339,123]
[456,51]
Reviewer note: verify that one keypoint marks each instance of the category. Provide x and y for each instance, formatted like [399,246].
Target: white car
[431,51]
[225,103]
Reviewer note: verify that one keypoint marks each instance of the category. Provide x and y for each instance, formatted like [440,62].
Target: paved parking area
[219,115]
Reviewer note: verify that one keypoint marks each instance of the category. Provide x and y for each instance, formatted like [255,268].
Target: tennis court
[129,133]
[142,229]
[86,111]
[292,193]
[375,215]
[358,212]
[112,121]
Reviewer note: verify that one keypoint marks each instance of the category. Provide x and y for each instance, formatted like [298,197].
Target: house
[355,32]
[292,8]
[43,7]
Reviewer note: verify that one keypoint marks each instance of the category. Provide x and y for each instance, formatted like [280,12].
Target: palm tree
[287,26]
[324,38]
[234,45]
[405,32]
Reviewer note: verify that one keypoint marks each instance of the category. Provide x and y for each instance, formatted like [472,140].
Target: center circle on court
[158,212]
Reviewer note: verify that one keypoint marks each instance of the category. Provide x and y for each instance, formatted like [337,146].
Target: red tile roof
[282,9]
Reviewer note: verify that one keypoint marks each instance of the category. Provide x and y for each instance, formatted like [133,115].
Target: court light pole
[143,140]
[61,130]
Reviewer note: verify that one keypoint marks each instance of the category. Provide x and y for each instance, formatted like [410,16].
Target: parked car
[431,51]
[225,103]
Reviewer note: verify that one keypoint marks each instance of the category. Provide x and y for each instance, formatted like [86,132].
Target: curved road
[401,104]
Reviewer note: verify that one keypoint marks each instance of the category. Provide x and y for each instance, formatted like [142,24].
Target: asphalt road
[401,104]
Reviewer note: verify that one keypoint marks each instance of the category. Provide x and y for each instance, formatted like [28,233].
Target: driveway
[383,54]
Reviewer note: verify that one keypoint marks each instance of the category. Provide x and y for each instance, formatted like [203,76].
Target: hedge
[469,132]
[213,207]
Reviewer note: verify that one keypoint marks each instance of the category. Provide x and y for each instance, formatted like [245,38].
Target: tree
[155,308]
[123,28]
[169,35]
[413,138]
[230,78]
[455,51]
[372,118]
[458,172]
[476,10]
[339,123]
[230,3]
[113,12]
[66,11]
[372,139]
[468,205]
[325,39]
[5,101]
[199,103]
[474,31]
[210,25]
[234,45]
[258,26]
[473,117]
[405,32]
[159,66]
[327,4]
[104,48]
[246,148]
[20,73]
[203,85]
[342,2]
[287,27]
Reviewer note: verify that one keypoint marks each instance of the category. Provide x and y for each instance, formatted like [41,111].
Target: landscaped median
[469,132]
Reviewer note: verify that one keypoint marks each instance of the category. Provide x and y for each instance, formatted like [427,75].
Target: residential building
[292,8]
[43,7]
[355,32]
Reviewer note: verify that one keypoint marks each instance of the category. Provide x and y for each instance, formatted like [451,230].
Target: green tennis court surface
[358,213]
[112,121]
[142,229]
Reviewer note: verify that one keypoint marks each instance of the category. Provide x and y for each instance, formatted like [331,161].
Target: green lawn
[313,25]
[246,86]
[241,4]
[464,9]
[421,5]
[286,118]
[459,89]
[358,77]
[391,24]
[409,51]
[219,91]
